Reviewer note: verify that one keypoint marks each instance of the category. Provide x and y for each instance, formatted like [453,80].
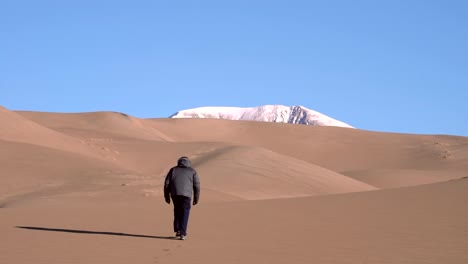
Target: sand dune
[256,173]
[87,188]
[402,178]
[14,127]
[337,149]
[31,173]
[101,124]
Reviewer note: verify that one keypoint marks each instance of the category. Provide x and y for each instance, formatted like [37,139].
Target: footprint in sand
[168,251]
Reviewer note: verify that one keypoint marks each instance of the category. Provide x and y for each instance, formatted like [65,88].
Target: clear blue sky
[385,65]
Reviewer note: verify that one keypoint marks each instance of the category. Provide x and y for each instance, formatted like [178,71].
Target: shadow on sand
[91,232]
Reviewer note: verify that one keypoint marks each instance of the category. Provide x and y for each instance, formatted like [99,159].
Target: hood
[184,162]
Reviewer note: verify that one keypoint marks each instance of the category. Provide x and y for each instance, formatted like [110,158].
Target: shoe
[182,237]
[177,234]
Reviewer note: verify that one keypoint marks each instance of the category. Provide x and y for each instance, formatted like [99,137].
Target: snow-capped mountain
[267,113]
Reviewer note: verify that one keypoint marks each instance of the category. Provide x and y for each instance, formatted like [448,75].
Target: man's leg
[177,210]
[186,204]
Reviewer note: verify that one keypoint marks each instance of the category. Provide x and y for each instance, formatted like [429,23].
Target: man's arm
[196,188]
[167,187]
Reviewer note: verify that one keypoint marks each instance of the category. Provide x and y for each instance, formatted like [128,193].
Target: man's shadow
[91,232]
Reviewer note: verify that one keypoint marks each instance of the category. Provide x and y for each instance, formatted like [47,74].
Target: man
[181,181]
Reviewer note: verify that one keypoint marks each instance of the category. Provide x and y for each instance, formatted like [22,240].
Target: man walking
[181,181]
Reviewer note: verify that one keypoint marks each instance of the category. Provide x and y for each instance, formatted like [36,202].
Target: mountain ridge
[267,113]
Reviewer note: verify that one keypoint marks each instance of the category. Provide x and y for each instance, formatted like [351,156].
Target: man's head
[183,162]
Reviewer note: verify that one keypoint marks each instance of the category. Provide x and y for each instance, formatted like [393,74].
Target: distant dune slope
[100,124]
[16,128]
[257,173]
[350,151]
[234,171]
[404,177]
[30,172]
[339,149]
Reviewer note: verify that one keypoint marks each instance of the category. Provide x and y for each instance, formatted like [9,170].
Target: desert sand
[87,188]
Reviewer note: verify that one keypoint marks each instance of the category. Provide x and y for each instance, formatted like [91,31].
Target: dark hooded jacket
[182,180]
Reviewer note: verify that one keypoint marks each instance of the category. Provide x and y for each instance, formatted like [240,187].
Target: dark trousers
[182,205]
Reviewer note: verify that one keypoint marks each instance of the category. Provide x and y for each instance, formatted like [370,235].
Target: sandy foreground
[87,188]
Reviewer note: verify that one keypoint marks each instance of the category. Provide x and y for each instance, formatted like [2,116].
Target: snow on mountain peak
[267,113]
